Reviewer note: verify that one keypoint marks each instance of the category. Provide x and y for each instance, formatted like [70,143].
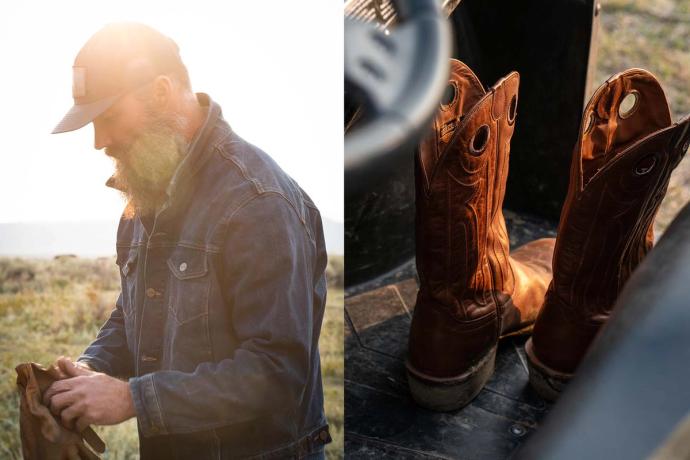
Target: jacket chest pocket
[127,262]
[189,284]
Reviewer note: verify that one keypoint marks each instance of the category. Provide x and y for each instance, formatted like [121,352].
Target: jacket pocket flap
[187,263]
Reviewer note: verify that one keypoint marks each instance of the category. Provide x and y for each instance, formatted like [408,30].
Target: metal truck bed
[382,421]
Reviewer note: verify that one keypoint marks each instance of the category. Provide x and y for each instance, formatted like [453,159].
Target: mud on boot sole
[548,383]
[450,393]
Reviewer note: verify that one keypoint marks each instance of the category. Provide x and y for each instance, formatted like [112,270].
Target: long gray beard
[146,168]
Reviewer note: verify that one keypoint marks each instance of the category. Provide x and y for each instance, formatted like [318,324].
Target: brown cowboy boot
[472,290]
[619,174]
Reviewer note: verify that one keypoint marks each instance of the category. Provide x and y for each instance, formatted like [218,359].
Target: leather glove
[43,436]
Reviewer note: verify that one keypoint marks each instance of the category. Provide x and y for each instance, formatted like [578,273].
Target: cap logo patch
[78,82]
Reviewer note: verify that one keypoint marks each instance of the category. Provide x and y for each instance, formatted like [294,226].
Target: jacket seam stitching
[158,406]
[243,170]
[265,193]
[222,138]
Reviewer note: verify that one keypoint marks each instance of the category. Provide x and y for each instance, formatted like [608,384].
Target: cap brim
[82,114]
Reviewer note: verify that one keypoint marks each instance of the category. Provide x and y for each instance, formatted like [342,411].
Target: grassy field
[653,35]
[55,307]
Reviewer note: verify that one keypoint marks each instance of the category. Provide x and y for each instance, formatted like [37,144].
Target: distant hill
[94,238]
[335,236]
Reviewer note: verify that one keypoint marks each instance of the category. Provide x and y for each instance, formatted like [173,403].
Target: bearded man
[213,341]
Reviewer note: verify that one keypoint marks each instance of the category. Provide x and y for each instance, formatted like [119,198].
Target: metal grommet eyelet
[479,140]
[628,104]
[450,94]
[645,165]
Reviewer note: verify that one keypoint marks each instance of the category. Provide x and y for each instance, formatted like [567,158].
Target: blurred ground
[50,308]
[653,35]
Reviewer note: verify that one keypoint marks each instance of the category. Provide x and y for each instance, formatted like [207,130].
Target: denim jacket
[218,320]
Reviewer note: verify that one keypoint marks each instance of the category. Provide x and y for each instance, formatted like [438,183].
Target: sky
[275,67]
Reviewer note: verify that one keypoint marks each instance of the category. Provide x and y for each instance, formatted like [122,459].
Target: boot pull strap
[505,98]
[628,106]
[463,92]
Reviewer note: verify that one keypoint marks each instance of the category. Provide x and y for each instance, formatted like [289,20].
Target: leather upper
[620,171]
[459,217]
[471,290]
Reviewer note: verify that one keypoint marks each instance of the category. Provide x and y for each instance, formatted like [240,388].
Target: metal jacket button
[183,266]
[151,292]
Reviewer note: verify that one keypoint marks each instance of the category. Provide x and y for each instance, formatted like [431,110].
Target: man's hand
[87,397]
[65,364]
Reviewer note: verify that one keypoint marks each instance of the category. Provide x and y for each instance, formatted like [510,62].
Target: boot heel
[450,393]
[548,383]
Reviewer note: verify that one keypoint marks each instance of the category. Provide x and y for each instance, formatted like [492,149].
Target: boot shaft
[620,171]
[471,290]
[461,171]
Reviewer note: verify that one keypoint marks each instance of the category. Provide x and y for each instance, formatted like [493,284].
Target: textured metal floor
[382,421]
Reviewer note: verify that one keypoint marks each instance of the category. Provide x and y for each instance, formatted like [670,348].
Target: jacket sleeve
[109,352]
[269,278]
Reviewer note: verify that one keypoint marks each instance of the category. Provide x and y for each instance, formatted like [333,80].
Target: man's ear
[163,92]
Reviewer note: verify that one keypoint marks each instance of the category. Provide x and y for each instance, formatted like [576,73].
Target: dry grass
[55,307]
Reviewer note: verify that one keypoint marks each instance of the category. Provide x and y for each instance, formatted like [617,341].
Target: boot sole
[547,382]
[450,393]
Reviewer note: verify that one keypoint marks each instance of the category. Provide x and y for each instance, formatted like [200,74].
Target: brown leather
[43,436]
[619,174]
[472,290]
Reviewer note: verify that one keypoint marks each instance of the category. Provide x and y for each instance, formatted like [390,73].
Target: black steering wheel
[397,77]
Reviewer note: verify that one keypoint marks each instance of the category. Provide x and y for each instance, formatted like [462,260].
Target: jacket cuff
[146,405]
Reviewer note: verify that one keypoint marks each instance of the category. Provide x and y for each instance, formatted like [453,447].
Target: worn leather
[619,174]
[472,290]
[43,436]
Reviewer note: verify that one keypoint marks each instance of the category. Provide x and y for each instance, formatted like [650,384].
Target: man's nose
[101,138]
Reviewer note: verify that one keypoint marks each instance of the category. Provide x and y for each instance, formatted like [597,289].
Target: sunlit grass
[331,349]
[55,307]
